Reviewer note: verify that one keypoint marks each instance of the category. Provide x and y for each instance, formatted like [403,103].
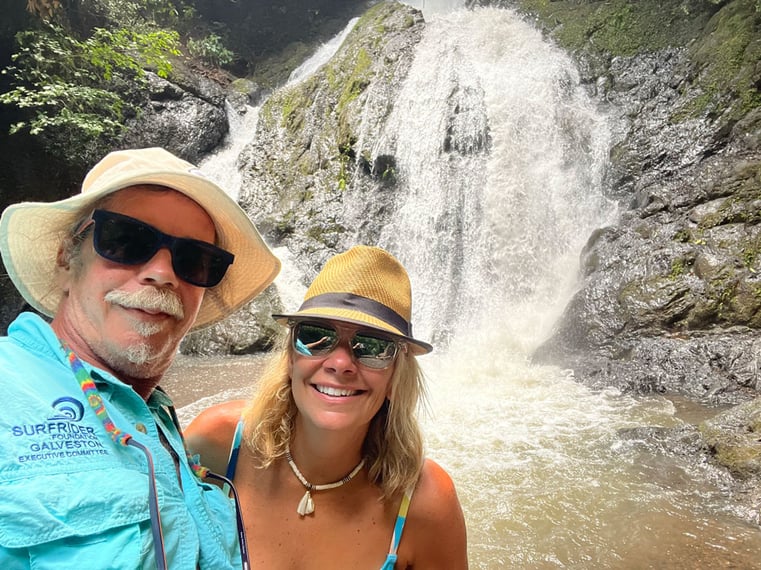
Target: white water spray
[322,55]
[503,155]
[222,165]
[430,8]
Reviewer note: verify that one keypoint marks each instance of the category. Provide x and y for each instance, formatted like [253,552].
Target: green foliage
[678,268]
[620,27]
[293,102]
[142,15]
[211,50]
[89,110]
[72,87]
[727,58]
[130,52]
[345,158]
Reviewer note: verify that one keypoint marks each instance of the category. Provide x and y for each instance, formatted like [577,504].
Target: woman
[328,457]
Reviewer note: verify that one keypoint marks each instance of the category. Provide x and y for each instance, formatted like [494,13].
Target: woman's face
[334,391]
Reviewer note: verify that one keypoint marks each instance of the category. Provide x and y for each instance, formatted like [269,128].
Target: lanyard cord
[245,564]
[96,403]
[95,400]
[204,473]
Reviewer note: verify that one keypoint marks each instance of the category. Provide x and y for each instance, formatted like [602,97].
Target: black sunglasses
[320,339]
[128,241]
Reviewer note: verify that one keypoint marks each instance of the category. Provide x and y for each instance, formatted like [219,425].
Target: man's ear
[63,257]
[63,269]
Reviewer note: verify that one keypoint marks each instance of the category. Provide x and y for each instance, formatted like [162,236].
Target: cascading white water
[432,7]
[222,165]
[500,198]
[503,157]
[322,55]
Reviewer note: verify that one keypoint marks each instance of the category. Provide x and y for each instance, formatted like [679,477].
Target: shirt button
[140,426]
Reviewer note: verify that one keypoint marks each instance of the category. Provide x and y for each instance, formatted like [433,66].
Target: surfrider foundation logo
[60,436]
[68,408]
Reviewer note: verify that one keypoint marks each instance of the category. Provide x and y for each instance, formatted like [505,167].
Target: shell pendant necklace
[306,504]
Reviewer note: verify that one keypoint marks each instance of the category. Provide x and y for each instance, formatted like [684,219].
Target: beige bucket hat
[31,232]
[365,286]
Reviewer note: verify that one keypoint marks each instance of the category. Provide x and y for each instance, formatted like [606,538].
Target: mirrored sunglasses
[128,241]
[320,339]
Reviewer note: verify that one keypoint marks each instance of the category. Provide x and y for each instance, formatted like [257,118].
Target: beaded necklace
[306,505]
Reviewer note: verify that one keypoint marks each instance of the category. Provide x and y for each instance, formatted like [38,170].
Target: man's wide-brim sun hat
[366,286]
[31,232]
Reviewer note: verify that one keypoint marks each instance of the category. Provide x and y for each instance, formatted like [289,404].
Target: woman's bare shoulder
[211,432]
[436,521]
[435,493]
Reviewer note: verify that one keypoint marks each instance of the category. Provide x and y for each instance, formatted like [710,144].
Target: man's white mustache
[149,299]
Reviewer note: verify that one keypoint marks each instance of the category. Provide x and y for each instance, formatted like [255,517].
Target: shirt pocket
[88,519]
[115,548]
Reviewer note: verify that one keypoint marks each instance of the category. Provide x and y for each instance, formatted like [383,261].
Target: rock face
[301,183]
[312,178]
[733,440]
[670,297]
[187,117]
[250,330]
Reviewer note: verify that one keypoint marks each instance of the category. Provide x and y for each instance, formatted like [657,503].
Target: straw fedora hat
[31,232]
[364,286]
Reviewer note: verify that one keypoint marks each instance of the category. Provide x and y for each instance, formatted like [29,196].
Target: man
[93,472]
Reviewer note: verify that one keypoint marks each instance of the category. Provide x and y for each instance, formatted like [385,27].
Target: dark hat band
[361,304]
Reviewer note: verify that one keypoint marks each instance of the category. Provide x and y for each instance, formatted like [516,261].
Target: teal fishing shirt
[71,497]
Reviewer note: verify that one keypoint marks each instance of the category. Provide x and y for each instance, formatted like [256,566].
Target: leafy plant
[58,81]
[211,50]
[143,14]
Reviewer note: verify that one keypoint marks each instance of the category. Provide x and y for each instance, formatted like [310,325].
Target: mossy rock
[734,438]
[620,27]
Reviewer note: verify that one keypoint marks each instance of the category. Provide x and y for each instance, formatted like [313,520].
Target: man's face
[113,314]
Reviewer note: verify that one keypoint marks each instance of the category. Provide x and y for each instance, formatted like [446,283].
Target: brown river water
[544,478]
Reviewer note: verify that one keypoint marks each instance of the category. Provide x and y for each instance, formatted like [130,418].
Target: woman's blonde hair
[393,446]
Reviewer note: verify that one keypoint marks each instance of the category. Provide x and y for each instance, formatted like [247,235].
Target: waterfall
[502,154]
[222,165]
[322,55]
[433,7]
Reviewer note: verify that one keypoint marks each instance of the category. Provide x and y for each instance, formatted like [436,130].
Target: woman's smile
[337,392]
